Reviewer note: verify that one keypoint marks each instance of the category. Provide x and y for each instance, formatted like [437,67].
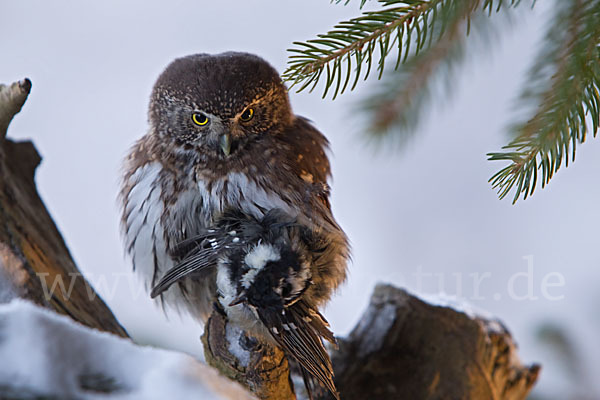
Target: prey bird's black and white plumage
[223,138]
[264,269]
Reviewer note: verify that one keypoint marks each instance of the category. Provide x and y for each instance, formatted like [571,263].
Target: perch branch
[258,366]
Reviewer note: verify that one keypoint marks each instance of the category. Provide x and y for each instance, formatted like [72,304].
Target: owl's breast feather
[239,192]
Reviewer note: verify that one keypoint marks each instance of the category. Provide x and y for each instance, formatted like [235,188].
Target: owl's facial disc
[219,105]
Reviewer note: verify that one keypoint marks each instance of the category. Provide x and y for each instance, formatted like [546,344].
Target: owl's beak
[225,143]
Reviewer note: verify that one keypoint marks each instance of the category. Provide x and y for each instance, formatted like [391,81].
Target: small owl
[222,136]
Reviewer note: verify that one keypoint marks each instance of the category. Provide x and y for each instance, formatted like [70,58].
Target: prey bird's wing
[234,230]
[196,261]
[201,252]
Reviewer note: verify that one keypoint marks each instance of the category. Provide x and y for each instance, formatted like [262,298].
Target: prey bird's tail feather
[298,330]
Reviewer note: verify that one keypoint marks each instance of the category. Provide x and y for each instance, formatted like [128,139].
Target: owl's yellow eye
[247,114]
[200,119]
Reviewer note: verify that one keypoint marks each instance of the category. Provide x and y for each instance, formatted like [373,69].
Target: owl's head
[218,104]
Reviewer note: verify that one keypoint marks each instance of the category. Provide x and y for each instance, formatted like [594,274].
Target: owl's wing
[308,163]
[298,330]
[309,147]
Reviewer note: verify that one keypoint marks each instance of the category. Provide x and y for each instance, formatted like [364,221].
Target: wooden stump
[405,348]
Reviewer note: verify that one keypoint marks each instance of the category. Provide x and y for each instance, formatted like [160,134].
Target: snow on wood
[49,355]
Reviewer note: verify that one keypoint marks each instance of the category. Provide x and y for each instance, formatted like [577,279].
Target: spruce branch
[355,41]
[362,2]
[567,102]
[405,27]
[399,100]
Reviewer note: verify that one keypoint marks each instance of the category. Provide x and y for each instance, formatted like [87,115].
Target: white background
[427,207]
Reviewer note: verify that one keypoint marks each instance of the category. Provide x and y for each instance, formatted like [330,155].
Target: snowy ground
[47,355]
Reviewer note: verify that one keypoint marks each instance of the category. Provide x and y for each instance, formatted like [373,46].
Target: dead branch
[33,255]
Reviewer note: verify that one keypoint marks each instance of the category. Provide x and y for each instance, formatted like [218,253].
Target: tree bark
[34,259]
